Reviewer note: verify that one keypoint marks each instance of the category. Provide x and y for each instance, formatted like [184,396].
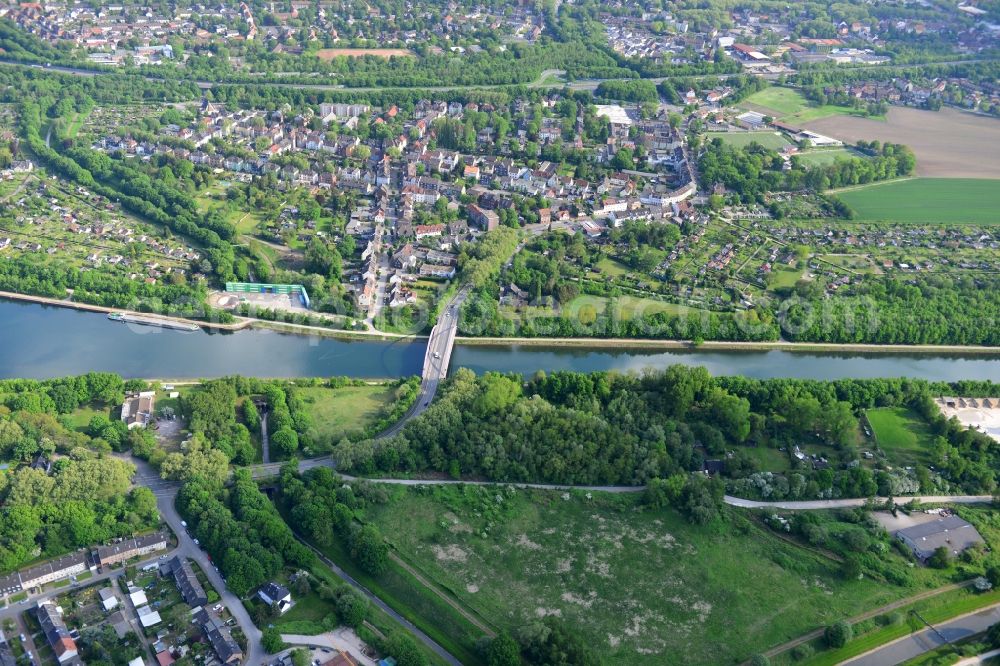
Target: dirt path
[442,596]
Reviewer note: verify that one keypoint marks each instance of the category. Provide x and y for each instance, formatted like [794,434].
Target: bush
[271,640]
[838,635]
[802,652]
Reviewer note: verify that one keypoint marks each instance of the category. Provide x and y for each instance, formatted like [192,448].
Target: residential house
[226,649]
[129,548]
[187,582]
[56,633]
[137,410]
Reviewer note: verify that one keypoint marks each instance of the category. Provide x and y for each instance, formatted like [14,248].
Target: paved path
[812,505]
[916,644]
[265,442]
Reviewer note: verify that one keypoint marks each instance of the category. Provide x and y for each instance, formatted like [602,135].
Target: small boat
[116,316]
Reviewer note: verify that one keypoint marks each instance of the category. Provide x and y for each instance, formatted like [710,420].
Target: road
[437,356]
[166,495]
[814,505]
[916,644]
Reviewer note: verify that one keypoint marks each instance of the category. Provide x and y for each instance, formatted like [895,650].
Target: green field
[786,277]
[823,156]
[629,307]
[901,434]
[645,587]
[791,107]
[771,140]
[336,413]
[927,201]
[783,101]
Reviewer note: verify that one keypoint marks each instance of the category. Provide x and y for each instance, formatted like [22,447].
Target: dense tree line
[605,428]
[753,171]
[242,530]
[916,310]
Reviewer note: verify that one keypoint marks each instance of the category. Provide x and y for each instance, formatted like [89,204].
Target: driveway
[343,638]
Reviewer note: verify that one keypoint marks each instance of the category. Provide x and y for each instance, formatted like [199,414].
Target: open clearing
[790,106]
[345,411]
[927,201]
[772,140]
[645,587]
[330,54]
[586,307]
[783,101]
[901,434]
[948,143]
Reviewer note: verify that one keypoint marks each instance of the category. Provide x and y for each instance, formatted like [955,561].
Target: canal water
[44,341]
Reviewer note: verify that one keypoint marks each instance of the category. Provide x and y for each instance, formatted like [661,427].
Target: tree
[503,651]
[760,660]
[369,549]
[285,442]
[352,608]
[271,640]
[940,558]
[405,650]
[839,634]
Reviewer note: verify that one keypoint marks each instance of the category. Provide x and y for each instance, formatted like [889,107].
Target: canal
[43,341]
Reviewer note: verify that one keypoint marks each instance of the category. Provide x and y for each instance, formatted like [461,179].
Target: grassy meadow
[646,587]
[902,434]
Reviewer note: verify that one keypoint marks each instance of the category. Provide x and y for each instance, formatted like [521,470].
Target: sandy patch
[471,589]
[982,414]
[330,54]
[572,598]
[450,553]
[524,542]
[541,611]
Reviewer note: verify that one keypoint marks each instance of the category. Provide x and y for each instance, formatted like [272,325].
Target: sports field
[330,54]
[790,106]
[783,101]
[824,156]
[740,139]
[927,201]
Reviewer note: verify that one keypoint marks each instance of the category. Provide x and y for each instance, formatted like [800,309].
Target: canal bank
[41,341]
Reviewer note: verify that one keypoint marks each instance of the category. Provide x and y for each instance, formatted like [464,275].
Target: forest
[943,310]
[606,428]
[240,527]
